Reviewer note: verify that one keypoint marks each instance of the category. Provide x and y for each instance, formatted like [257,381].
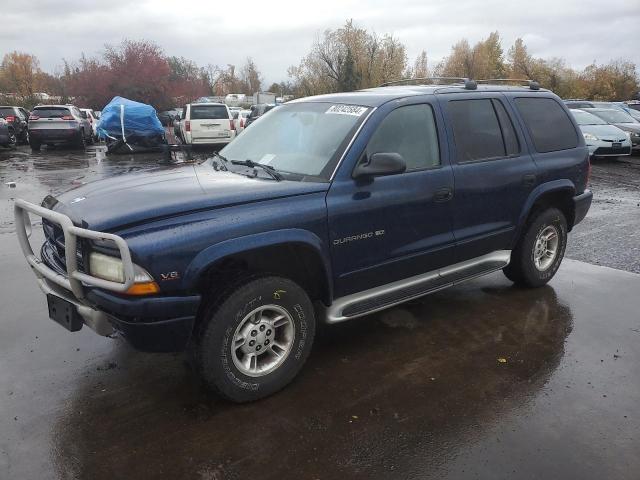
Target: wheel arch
[293,253]
[558,194]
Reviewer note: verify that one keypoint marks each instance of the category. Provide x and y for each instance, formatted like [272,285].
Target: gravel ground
[610,234]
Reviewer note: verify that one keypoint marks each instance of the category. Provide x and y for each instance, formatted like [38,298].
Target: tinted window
[548,123]
[411,132]
[476,130]
[6,111]
[508,132]
[51,112]
[202,112]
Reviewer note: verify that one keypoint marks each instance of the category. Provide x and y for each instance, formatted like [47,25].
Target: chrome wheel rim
[545,250]
[263,340]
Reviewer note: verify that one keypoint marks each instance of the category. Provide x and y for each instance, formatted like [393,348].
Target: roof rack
[529,83]
[468,83]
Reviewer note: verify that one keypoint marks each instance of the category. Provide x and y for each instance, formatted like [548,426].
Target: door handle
[443,195]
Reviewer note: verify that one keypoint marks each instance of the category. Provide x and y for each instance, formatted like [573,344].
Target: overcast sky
[278,35]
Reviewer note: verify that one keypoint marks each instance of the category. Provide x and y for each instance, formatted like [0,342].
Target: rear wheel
[540,250]
[13,140]
[253,341]
[81,141]
[35,145]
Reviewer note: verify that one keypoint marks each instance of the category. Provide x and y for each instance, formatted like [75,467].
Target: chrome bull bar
[74,279]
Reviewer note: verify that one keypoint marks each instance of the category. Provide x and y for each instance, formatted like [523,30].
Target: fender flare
[539,191]
[218,251]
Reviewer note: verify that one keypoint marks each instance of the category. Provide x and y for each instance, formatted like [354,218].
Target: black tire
[24,137]
[219,324]
[35,146]
[81,141]
[522,269]
[13,140]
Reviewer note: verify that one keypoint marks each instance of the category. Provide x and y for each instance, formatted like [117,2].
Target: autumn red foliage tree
[137,70]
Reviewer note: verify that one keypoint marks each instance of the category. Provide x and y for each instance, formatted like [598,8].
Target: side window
[476,130]
[184,112]
[549,125]
[508,132]
[411,132]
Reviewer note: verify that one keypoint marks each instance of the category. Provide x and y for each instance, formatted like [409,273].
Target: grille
[56,249]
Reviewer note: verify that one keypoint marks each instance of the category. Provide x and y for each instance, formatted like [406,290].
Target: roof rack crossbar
[533,85]
[422,79]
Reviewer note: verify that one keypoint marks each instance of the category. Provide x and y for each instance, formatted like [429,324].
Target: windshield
[585,118]
[299,139]
[614,116]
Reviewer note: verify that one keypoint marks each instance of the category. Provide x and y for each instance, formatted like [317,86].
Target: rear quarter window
[549,125]
[208,112]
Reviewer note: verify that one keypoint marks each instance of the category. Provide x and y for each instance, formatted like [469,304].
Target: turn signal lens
[147,288]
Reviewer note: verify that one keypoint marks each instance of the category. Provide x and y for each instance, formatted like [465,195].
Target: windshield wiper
[267,168]
[223,158]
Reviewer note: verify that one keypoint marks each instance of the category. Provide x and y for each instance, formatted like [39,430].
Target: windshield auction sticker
[354,110]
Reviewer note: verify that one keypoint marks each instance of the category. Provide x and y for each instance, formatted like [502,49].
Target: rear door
[209,123]
[493,172]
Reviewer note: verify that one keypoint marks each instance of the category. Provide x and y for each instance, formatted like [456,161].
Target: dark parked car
[7,134]
[622,120]
[59,124]
[257,111]
[18,118]
[166,118]
[327,209]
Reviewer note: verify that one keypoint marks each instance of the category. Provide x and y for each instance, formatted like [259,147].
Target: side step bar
[385,296]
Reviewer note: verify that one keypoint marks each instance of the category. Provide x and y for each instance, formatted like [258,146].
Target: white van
[206,123]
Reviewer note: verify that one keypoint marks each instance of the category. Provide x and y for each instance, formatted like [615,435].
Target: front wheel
[540,250]
[254,341]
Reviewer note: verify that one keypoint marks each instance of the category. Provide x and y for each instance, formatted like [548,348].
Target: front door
[386,228]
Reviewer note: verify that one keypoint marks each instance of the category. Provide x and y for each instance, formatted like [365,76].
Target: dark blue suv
[328,208]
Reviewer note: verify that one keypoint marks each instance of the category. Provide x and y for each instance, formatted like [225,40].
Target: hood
[629,127]
[130,199]
[605,132]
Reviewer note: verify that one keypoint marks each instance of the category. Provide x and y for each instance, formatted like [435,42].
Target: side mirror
[380,164]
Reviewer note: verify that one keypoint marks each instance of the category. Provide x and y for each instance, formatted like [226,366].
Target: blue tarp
[140,119]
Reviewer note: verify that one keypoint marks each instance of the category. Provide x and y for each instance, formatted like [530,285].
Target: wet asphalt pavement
[479,381]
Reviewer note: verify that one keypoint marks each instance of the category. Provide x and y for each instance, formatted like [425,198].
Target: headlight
[588,136]
[111,268]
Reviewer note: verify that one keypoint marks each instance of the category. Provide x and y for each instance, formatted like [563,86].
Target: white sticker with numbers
[354,110]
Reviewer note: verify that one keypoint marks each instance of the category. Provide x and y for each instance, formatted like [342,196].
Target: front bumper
[148,323]
[605,149]
[581,204]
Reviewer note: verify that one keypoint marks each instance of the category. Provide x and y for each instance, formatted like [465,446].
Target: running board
[385,296]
